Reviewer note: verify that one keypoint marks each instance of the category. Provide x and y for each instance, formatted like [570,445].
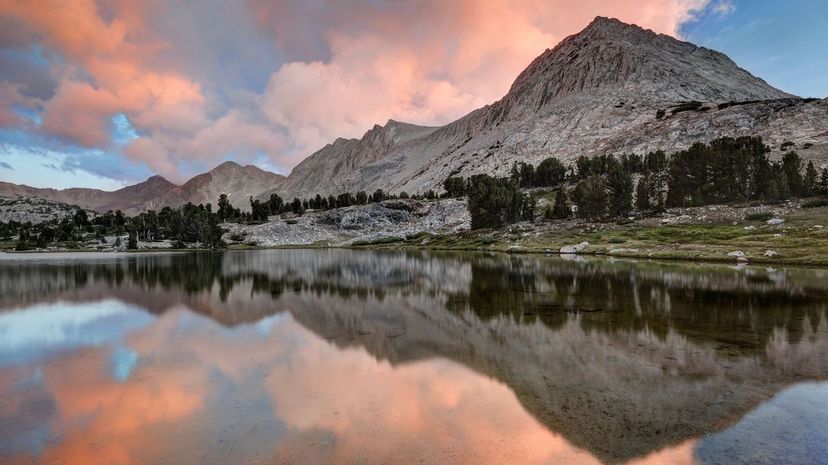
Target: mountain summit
[613,57]
[612,88]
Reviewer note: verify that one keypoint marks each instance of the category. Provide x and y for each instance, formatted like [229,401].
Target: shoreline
[706,260]
[722,234]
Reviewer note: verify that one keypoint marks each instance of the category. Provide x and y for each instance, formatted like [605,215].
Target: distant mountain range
[239,182]
[613,88]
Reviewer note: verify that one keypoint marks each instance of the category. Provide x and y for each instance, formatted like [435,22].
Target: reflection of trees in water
[738,309]
[741,311]
[580,344]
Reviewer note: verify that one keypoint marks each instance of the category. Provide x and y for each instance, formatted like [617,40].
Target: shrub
[455,186]
[758,216]
[377,241]
[815,203]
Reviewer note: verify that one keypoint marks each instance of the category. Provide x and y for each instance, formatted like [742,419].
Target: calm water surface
[341,357]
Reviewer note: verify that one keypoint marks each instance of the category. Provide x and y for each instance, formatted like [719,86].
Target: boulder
[775,221]
[771,253]
[740,256]
[574,249]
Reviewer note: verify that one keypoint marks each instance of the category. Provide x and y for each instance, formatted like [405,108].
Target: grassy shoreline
[799,241]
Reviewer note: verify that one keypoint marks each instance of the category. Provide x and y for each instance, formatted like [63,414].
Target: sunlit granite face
[333,356]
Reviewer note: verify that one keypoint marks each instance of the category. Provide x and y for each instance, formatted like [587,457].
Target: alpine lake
[335,356]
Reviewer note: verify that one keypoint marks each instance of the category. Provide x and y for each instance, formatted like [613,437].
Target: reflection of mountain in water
[621,358]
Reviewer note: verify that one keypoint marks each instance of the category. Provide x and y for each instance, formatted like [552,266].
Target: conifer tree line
[189,224]
[603,187]
[275,205]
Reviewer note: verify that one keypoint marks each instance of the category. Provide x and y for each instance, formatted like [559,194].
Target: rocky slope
[350,156]
[388,220]
[33,209]
[239,182]
[612,88]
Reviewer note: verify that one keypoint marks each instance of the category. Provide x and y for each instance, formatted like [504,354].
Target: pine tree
[642,194]
[495,202]
[792,167]
[590,197]
[560,210]
[225,209]
[276,204]
[455,186]
[620,185]
[810,182]
[779,188]
[550,172]
[823,181]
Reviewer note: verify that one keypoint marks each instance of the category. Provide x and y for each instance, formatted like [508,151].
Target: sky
[105,93]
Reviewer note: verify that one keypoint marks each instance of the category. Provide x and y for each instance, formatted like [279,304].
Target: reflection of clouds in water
[25,423]
[332,357]
[39,331]
[790,428]
[228,396]
[122,361]
[266,325]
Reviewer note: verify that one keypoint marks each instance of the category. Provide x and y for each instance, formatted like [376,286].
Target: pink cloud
[450,59]
[10,96]
[346,65]
[81,113]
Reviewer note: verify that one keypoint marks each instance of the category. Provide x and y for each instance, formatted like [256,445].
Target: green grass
[800,243]
[378,241]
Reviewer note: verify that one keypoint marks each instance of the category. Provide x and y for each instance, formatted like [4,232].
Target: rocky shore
[388,221]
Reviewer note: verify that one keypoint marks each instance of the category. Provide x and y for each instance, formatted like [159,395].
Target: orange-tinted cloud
[206,394]
[10,96]
[337,68]
[451,58]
